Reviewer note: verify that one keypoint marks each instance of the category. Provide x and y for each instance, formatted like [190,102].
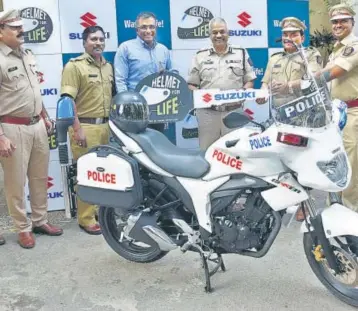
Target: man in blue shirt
[137,58]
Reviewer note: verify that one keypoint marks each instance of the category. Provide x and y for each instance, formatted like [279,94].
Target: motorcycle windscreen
[307,103]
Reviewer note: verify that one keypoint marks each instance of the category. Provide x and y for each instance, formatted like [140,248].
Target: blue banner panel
[127,12]
[277,10]
[259,59]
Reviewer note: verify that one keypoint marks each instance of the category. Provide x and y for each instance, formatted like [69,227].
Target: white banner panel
[246,22]
[54,189]
[75,16]
[41,24]
[182,60]
[49,71]
[189,22]
[205,98]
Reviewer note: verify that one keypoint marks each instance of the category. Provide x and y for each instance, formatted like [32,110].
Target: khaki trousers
[31,159]
[96,134]
[211,126]
[350,140]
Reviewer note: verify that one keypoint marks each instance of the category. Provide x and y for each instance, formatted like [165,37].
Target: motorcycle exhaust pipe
[160,237]
[143,228]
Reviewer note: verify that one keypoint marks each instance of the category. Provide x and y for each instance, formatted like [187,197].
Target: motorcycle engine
[243,226]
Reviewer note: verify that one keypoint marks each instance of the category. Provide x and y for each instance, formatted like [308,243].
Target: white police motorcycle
[155,197]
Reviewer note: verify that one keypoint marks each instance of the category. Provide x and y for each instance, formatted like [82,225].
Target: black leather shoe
[2,240]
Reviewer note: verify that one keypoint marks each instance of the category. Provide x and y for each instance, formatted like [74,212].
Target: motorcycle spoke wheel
[343,285]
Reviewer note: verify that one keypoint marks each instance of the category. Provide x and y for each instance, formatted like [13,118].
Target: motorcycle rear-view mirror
[237,120]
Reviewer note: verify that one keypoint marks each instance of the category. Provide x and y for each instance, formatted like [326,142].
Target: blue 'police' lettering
[261,142]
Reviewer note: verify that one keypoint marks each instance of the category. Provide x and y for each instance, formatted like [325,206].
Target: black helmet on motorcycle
[130,112]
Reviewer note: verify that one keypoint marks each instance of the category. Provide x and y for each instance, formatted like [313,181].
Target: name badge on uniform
[277,66]
[12,69]
[232,61]
[92,76]
[208,62]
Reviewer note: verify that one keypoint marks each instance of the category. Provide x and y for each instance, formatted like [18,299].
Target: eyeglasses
[145,27]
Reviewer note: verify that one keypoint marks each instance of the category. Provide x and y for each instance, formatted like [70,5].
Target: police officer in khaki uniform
[222,66]
[24,126]
[88,79]
[281,69]
[342,71]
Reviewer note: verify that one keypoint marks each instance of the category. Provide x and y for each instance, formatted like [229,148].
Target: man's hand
[279,87]
[261,100]
[80,138]
[6,147]
[50,126]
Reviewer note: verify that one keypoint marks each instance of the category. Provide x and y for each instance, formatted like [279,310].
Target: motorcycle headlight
[335,169]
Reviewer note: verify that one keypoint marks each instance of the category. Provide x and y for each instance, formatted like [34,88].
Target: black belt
[93,120]
[226,107]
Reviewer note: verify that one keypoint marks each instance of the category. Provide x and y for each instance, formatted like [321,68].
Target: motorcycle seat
[177,161]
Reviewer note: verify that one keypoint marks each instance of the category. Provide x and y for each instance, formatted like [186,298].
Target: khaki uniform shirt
[345,55]
[90,84]
[20,93]
[284,69]
[230,70]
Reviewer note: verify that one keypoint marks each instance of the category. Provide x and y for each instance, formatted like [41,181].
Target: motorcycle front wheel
[343,285]
[112,225]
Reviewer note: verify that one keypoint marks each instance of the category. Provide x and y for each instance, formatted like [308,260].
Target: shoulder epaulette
[27,51]
[203,50]
[78,58]
[312,48]
[231,49]
[278,53]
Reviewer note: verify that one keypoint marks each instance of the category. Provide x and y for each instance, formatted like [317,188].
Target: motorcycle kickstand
[208,274]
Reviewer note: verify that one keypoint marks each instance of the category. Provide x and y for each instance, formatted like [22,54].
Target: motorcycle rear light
[292,139]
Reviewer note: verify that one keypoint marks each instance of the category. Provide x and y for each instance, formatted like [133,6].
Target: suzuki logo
[88,20]
[207,97]
[244,19]
[49,183]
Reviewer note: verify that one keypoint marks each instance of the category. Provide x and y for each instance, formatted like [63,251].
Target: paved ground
[80,272]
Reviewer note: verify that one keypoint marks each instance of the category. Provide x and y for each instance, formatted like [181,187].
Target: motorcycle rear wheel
[112,231]
[343,286]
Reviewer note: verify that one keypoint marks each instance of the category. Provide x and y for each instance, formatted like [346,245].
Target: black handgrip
[231,143]
[63,154]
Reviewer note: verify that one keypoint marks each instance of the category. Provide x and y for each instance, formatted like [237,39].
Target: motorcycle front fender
[337,220]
